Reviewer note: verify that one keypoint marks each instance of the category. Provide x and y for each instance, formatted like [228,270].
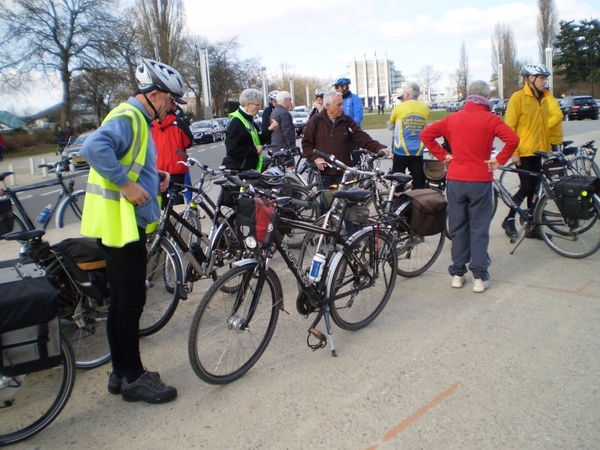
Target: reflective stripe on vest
[107,214]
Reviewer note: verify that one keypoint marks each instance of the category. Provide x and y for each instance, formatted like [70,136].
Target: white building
[375,81]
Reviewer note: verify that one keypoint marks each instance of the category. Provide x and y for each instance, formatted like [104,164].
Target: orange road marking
[420,413]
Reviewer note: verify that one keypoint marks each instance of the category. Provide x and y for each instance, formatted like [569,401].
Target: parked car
[300,119]
[206,131]
[579,107]
[499,106]
[258,118]
[223,122]
[73,150]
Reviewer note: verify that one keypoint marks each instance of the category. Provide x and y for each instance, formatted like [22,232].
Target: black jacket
[241,151]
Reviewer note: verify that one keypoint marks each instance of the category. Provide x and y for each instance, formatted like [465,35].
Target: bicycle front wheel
[363,279]
[29,403]
[70,210]
[416,253]
[164,279]
[573,238]
[583,166]
[233,324]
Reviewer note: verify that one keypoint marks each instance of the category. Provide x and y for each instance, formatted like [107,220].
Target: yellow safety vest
[107,214]
[253,132]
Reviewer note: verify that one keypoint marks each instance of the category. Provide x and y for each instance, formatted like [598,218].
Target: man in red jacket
[470,134]
[170,135]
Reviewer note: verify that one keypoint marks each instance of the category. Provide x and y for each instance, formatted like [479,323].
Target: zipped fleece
[334,138]
[168,137]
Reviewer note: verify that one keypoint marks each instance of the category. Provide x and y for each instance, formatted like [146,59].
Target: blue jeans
[469,215]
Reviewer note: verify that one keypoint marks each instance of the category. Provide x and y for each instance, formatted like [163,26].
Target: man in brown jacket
[331,131]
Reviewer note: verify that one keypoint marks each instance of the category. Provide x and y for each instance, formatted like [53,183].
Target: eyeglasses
[173,100]
[256,104]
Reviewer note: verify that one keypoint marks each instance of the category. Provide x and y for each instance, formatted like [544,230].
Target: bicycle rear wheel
[365,280]
[82,318]
[164,279]
[225,339]
[29,403]
[572,238]
[416,253]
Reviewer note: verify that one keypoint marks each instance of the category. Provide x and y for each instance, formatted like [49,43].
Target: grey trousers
[469,217]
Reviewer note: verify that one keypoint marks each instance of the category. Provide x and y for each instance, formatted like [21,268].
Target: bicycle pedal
[320,336]
[182,291]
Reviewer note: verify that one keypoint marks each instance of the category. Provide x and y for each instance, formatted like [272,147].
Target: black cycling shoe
[510,228]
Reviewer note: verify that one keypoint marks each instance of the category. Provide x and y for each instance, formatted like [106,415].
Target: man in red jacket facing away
[170,135]
[470,134]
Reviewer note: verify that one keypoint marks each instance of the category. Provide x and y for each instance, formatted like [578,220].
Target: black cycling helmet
[536,70]
[153,75]
[341,82]
[319,94]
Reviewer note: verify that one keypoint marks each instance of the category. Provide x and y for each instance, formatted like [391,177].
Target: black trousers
[529,183]
[414,164]
[126,270]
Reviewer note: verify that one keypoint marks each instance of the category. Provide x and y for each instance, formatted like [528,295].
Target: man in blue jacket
[353,105]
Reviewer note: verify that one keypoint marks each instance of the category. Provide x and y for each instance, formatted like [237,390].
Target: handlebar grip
[325,156]
[237,181]
[303,203]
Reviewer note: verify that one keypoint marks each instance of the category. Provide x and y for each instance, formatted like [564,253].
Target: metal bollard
[44,169]
[12,180]
[31,166]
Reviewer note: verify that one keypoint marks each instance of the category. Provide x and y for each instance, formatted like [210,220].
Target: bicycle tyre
[164,278]
[572,238]
[416,254]
[82,318]
[295,236]
[510,180]
[376,250]
[583,165]
[70,209]
[219,351]
[31,402]
[19,223]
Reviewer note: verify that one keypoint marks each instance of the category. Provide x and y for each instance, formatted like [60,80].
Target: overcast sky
[317,37]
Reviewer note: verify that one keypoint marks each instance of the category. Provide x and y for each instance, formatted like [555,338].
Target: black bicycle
[67,208]
[350,282]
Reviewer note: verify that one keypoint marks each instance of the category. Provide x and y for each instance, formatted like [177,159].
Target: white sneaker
[458,281]
[480,285]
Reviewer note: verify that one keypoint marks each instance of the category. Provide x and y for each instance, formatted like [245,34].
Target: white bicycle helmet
[272,176]
[273,95]
[536,70]
[151,75]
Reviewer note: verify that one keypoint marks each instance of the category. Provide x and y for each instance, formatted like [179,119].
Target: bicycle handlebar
[334,162]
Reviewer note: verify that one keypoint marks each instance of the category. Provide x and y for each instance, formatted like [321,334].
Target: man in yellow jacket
[529,115]
[121,204]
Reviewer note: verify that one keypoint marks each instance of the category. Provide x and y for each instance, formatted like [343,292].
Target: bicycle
[30,401]
[566,235]
[237,316]
[416,253]
[75,267]
[67,208]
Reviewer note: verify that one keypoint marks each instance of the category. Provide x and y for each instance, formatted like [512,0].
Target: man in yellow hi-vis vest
[121,204]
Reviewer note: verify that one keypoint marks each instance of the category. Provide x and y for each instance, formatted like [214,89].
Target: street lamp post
[549,66]
[264,82]
[205,72]
[500,81]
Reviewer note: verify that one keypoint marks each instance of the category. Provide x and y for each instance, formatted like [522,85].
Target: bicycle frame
[316,293]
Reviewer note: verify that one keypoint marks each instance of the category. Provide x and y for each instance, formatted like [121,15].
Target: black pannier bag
[428,212]
[86,262]
[29,322]
[575,196]
[7,219]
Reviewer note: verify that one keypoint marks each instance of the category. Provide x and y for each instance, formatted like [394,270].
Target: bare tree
[101,88]
[428,77]
[161,24]
[55,37]
[547,26]
[462,73]
[504,51]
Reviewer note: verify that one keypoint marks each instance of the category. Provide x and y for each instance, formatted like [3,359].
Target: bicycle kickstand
[520,237]
[322,339]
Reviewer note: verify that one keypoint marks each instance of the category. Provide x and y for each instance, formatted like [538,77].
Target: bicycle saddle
[399,177]
[29,235]
[353,195]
